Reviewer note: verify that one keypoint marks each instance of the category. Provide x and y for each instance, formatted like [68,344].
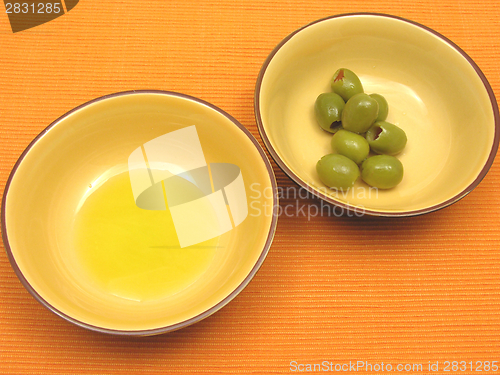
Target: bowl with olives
[377,113]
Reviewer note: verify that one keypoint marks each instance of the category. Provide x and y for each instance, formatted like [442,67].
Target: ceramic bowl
[139,213]
[436,94]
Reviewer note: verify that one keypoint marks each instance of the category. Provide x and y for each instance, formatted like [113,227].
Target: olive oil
[134,253]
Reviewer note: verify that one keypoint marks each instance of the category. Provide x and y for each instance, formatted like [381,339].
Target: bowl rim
[349,207]
[184,323]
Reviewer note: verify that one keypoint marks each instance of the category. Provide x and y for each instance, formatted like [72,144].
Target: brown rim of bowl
[349,207]
[188,322]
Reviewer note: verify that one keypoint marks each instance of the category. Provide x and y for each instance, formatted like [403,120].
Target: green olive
[328,109]
[337,171]
[359,113]
[383,107]
[352,145]
[386,138]
[346,83]
[382,171]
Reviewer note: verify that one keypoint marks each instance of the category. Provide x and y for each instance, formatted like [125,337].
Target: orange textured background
[337,289]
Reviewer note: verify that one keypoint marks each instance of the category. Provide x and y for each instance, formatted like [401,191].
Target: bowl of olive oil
[139,213]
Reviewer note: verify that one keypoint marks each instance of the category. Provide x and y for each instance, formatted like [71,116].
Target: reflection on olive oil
[134,253]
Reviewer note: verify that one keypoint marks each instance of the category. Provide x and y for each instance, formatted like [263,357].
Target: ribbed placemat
[341,290]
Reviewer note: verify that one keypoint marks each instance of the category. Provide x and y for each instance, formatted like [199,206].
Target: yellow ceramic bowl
[139,213]
[436,93]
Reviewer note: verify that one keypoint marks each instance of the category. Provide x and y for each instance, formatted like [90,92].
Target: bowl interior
[90,252]
[433,91]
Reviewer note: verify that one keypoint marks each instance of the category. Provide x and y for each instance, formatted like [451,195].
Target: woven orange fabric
[411,291]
